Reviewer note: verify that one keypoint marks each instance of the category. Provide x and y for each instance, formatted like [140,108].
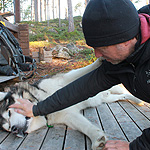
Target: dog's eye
[9,113]
[27,118]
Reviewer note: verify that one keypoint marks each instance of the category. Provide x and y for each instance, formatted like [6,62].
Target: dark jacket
[134,73]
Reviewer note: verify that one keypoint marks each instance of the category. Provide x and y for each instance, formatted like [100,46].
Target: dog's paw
[99,143]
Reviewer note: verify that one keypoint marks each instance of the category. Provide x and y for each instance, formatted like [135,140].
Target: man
[116,32]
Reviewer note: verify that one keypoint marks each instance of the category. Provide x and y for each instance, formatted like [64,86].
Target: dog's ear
[2,95]
[6,100]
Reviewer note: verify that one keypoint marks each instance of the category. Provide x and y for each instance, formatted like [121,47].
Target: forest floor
[57,65]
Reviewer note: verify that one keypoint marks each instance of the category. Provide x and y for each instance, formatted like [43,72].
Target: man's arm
[77,91]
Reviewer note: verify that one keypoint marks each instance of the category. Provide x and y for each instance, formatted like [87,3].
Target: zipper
[136,82]
[134,78]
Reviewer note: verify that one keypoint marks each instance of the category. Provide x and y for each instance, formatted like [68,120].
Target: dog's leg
[77,73]
[120,89]
[116,97]
[78,122]
[107,97]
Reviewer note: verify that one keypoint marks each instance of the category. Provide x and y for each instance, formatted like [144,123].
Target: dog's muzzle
[20,131]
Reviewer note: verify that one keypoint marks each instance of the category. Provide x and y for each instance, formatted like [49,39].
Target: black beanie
[109,22]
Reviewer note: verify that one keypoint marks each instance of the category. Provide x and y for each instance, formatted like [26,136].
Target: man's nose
[98,53]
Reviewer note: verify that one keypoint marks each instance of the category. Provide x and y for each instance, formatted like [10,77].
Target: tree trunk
[31,10]
[41,11]
[45,9]
[59,13]
[3,6]
[53,5]
[48,9]
[36,9]
[70,17]
[17,11]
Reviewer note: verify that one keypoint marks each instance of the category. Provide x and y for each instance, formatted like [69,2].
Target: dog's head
[9,119]
[12,121]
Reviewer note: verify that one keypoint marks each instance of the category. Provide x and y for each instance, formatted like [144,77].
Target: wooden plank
[34,140]
[6,14]
[127,125]
[6,78]
[138,118]
[74,140]
[11,142]
[92,116]
[3,135]
[145,109]
[10,26]
[109,123]
[55,138]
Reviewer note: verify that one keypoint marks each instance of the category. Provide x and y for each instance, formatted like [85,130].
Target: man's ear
[134,40]
[127,43]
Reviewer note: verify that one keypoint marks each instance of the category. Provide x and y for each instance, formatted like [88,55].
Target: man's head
[109,22]
[116,53]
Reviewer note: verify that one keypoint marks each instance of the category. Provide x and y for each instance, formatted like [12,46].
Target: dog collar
[49,126]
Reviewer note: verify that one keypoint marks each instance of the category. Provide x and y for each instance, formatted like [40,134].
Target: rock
[72,48]
[61,52]
[65,52]
[53,30]
[63,25]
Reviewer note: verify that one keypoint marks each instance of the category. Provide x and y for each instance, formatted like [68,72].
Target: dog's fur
[71,116]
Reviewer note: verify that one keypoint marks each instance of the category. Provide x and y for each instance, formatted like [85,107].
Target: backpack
[12,60]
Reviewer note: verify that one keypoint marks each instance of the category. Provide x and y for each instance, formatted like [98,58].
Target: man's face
[115,53]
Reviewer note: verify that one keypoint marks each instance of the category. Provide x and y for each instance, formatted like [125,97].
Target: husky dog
[16,123]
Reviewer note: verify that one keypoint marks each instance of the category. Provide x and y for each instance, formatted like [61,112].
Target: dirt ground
[45,70]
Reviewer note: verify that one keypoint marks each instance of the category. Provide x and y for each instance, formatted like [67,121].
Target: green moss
[40,31]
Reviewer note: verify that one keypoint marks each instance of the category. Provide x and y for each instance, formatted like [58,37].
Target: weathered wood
[24,38]
[127,125]
[34,140]
[6,14]
[11,142]
[144,109]
[55,138]
[92,116]
[121,120]
[6,78]
[9,25]
[3,135]
[138,118]
[74,140]
[109,123]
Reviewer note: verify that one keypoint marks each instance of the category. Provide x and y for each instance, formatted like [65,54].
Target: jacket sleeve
[142,142]
[75,92]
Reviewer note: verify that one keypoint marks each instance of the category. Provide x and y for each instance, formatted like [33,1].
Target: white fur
[71,116]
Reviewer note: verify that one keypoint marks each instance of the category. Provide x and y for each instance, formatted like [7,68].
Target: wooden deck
[6,78]
[121,120]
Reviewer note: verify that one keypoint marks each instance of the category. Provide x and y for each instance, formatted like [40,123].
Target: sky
[80,11]
[63,4]
[138,5]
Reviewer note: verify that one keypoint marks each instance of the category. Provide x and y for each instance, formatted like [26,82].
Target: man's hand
[116,145]
[24,108]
